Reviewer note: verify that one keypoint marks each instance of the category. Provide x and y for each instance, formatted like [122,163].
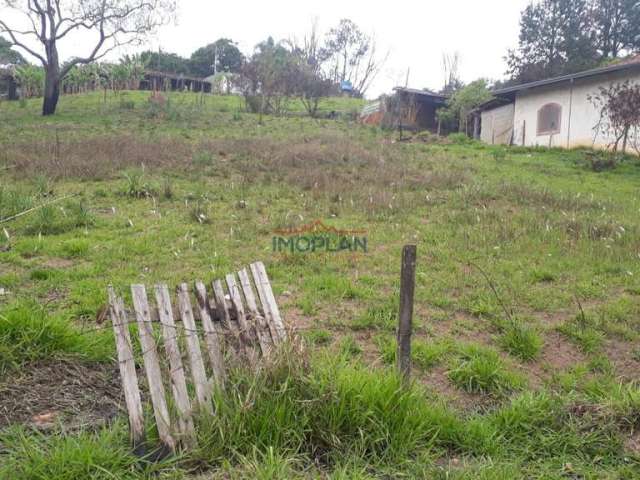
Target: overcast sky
[415,33]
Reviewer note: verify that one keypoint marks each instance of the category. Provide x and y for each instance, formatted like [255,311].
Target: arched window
[549,117]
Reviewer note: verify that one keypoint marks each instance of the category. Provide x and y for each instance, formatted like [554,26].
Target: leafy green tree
[165,62]
[9,56]
[565,36]
[616,25]
[225,53]
[30,78]
[554,39]
[266,80]
[463,102]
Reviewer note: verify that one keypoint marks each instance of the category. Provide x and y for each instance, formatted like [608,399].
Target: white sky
[415,33]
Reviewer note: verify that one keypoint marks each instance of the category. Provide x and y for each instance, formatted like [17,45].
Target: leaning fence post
[407,287]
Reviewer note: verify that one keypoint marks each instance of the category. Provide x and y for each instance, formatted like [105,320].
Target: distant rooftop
[630,63]
[425,92]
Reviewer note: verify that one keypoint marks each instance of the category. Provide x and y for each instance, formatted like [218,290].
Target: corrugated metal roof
[628,64]
[425,92]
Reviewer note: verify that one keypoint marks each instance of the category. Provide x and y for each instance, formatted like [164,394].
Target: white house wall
[579,116]
[497,125]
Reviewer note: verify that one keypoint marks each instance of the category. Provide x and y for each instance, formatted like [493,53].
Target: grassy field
[526,352]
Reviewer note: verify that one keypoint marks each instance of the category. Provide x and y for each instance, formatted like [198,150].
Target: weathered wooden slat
[271,299]
[152,366]
[178,378]
[236,301]
[264,338]
[127,366]
[247,332]
[222,306]
[211,337]
[229,326]
[201,384]
[262,295]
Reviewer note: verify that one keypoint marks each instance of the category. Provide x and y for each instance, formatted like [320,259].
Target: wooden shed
[414,109]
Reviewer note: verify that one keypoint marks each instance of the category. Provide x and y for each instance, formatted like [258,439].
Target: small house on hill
[407,108]
[224,83]
[556,112]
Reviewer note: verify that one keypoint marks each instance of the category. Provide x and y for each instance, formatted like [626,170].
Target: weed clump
[521,340]
[136,186]
[55,220]
[481,370]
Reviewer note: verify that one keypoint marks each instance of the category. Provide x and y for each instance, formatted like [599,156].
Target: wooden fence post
[407,287]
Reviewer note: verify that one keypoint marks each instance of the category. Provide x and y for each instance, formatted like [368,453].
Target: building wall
[497,125]
[579,116]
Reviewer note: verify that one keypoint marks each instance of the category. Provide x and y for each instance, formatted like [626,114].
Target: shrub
[460,138]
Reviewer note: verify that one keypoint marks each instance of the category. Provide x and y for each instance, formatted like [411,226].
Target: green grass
[424,354]
[198,188]
[352,421]
[521,340]
[481,370]
[28,333]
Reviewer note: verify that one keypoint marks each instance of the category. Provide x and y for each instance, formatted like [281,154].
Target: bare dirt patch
[622,356]
[557,355]
[46,393]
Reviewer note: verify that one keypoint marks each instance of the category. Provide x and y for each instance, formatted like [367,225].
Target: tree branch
[5,28]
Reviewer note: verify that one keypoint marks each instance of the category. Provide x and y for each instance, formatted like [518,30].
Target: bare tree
[619,106]
[46,22]
[308,48]
[352,56]
[451,68]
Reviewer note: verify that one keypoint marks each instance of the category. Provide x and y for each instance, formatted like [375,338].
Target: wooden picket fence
[232,320]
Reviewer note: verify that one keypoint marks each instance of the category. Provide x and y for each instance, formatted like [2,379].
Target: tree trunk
[51,80]
[51,91]
[625,140]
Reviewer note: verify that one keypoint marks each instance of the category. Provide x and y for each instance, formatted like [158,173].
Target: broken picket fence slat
[235,321]
[152,366]
[128,375]
[176,367]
